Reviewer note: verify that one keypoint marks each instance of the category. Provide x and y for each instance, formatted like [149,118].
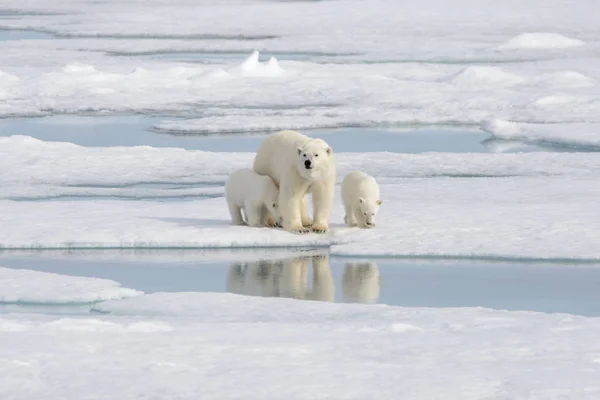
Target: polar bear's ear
[329,150]
[362,200]
[379,202]
[299,150]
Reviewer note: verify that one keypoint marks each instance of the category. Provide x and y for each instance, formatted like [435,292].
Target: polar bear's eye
[316,155]
[304,154]
[274,205]
[365,214]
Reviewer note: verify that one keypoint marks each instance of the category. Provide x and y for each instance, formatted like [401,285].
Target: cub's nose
[307,164]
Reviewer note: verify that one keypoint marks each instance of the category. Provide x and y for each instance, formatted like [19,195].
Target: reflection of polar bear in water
[361,283]
[294,275]
[289,278]
[283,279]
[299,165]
[254,279]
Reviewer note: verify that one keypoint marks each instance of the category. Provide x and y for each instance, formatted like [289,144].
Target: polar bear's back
[277,153]
[245,184]
[358,184]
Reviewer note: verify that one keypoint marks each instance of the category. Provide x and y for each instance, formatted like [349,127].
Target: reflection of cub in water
[289,278]
[254,279]
[361,283]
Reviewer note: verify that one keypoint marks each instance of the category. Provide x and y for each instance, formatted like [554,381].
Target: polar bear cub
[256,194]
[360,195]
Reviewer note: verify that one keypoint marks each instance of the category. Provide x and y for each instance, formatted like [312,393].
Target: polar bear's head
[314,159]
[369,208]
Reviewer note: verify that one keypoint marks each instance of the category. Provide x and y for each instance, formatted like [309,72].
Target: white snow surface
[223,346]
[532,205]
[377,63]
[585,135]
[27,286]
[540,41]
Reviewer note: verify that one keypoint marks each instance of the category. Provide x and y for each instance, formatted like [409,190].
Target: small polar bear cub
[256,194]
[360,195]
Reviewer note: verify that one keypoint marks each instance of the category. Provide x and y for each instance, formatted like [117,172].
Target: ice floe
[27,286]
[182,344]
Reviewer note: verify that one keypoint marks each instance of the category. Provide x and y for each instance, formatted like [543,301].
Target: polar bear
[361,283]
[360,195]
[299,165]
[257,195]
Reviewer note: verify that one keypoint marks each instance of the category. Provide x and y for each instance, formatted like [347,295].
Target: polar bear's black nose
[307,164]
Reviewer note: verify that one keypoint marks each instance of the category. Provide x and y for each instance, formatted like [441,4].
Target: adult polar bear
[299,165]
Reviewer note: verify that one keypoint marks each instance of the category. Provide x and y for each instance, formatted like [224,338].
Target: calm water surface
[544,287]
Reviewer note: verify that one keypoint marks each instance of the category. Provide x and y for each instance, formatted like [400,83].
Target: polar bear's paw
[300,230]
[270,222]
[320,228]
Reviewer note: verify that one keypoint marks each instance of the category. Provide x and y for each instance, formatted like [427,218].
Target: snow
[40,170]
[584,135]
[525,72]
[161,257]
[488,76]
[329,94]
[27,286]
[540,41]
[179,345]
[376,64]
[535,205]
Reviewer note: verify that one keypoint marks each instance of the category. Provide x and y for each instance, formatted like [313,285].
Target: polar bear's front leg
[350,218]
[322,197]
[290,199]
[306,221]
[236,213]
[253,214]
[266,218]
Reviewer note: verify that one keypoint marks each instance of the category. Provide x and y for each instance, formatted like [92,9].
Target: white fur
[257,195]
[282,156]
[360,195]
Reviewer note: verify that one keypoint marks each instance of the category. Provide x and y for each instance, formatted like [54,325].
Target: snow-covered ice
[221,346]
[583,135]
[522,71]
[375,64]
[540,41]
[27,286]
[379,64]
[329,95]
[535,205]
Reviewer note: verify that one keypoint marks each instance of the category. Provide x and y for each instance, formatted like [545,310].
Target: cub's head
[273,208]
[369,208]
[271,202]
[314,159]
